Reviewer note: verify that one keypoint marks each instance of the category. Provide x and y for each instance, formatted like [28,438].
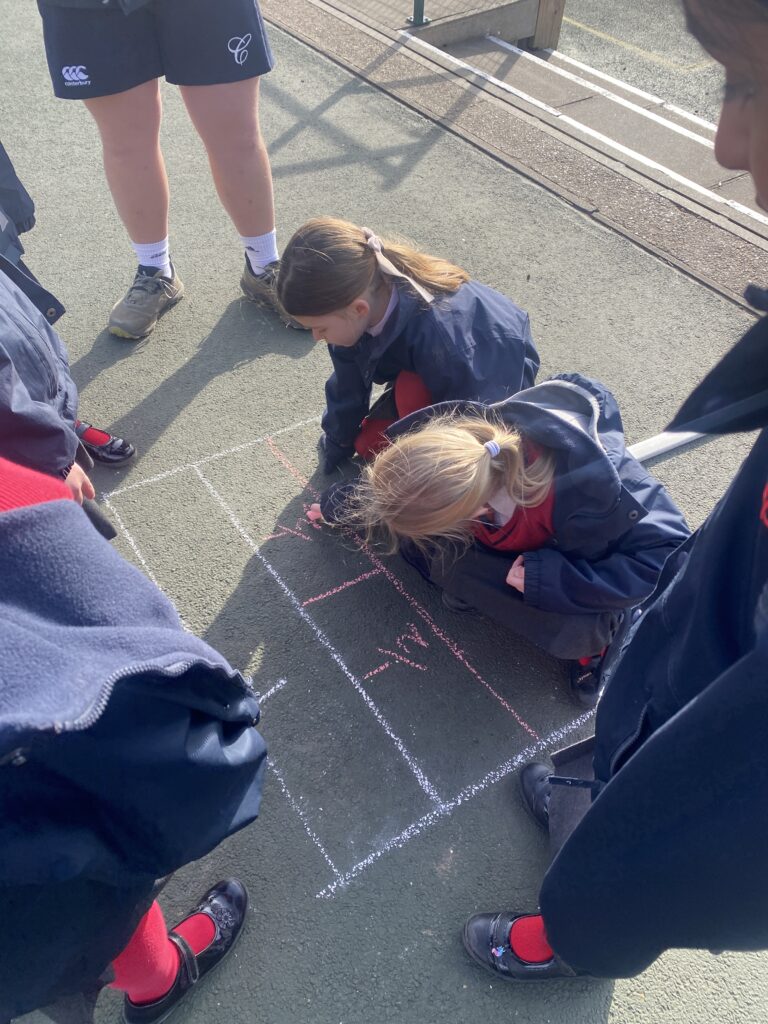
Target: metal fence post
[418,14]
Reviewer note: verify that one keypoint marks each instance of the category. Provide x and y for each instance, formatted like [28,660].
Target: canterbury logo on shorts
[76,74]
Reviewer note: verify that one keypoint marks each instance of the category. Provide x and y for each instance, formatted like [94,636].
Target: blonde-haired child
[529,510]
[396,316]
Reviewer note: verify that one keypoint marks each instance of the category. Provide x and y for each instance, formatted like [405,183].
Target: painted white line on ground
[303,818]
[591,133]
[210,458]
[702,122]
[320,636]
[606,93]
[445,810]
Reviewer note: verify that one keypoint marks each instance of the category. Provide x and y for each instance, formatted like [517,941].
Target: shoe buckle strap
[562,780]
[188,958]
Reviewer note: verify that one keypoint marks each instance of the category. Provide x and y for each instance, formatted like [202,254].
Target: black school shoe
[585,681]
[226,904]
[113,451]
[535,789]
[486,939]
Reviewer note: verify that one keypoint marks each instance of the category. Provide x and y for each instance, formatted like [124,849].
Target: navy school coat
[614,524]
[672,851]
[127,749]
[473,344]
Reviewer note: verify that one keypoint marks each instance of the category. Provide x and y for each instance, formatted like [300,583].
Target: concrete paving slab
[213,510]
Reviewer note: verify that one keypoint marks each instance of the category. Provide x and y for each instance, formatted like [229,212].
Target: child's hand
[516,575]
[79,483]
[314,515]
[333,454]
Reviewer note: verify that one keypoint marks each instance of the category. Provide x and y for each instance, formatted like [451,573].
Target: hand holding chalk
[516,575]
[314,515]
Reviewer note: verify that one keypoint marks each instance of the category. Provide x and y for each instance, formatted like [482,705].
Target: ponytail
[430,485]
[328,264]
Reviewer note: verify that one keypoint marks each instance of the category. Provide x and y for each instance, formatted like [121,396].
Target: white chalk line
[632,154]
[262,697]
[446,809]
[324,641]
[135,549]
[651,115]
[302,817]
[209,458]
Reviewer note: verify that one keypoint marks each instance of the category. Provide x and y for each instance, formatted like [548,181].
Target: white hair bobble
[493,447]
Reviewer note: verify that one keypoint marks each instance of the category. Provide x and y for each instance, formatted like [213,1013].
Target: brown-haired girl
[530,510]
[392,315]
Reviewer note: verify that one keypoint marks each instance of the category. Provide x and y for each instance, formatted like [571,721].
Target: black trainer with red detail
[103,446]
[226,904]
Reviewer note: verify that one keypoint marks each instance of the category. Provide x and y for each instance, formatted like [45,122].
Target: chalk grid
[414,651]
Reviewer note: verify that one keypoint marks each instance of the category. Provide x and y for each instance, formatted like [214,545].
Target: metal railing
[417,18]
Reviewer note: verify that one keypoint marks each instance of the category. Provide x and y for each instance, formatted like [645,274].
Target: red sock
[92,435]
[147,967]
[586,661]
[528,940]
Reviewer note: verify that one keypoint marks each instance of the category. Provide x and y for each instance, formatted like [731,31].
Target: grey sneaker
[260,288]
[148,298]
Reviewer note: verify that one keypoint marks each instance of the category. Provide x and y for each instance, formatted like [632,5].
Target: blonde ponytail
[430,485]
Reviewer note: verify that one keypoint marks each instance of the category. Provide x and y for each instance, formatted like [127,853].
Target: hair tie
[372,240]
[493,447]
[386,266]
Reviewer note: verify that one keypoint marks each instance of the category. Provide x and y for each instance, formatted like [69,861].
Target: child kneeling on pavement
[393,315]
[530,510]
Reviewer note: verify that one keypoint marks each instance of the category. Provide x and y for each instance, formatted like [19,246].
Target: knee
[236,145]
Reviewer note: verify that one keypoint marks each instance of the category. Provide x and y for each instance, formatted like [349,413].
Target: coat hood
[574,416]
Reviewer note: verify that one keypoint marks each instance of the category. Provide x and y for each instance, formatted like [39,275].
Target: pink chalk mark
[343,586]
[399,657]
[285,531]
[452,646]
[411,633]
[283,460]
[375,671]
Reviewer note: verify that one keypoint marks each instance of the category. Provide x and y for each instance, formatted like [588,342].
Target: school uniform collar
[370,348]
[733,396]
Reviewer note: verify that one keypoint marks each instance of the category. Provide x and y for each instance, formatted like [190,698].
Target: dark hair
[716,23]
[328,264]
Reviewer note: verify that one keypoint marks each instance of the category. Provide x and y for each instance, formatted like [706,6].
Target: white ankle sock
[260,250]
[154,254]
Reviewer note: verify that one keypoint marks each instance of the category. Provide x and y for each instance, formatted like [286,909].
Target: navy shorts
[191,42]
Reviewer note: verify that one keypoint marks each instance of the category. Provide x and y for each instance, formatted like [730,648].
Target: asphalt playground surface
[395,727]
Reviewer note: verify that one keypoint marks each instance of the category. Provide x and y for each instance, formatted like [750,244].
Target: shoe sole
[109,462]
[118,332]
[197,986]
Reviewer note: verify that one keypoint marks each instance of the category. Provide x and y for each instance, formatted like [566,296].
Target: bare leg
[226,118]
[129,125]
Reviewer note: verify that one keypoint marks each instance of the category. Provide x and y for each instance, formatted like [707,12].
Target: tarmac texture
[395,727]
